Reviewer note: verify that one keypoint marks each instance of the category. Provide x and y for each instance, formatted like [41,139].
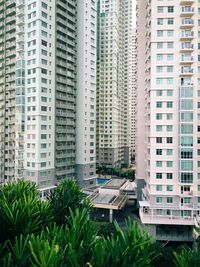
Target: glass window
[187,128]
[159,212]
[160,9]
[159,57]
[159,21]
[187,116]
[169,140]
[186,92]
[169,116]
[169,187]
[170,21]
[159,81]
[169,176]
[158,187]
[187,165]
[186,104]
[170,45]
[158,199]
[169,200]
[158,163]
[170,69]
[159,45]
[169,164]
[158,175]
[158,116]
[186,141]
[170,9]
[169,104]
[159,92]
[160,33]
[169,128]
[169,92]
[159,69]
[170,57]
[159,140]
[158,128]
[186,177]
[169,152]
[170,33]
[158,151]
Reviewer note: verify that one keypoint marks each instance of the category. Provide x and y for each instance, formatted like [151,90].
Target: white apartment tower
[112,82]
[132,92]
[40,90]
[167,151]
[86,92]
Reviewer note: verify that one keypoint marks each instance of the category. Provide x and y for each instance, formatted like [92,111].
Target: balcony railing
[187,34]
[187,46]
[148,218]
[186,70]
[187,10]
[187,22]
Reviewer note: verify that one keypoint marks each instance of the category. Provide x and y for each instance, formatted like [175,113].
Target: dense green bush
[66,196]
[22,211]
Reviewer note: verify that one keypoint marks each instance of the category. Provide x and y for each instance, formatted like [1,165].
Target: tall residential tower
[168,117]
[132,92]
[44,99]
[114,18]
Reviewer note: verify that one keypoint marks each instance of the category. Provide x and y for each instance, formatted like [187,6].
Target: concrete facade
[45,101]
[112,82]
[167,151]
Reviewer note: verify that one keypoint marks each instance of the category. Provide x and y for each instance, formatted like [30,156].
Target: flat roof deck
[108,201]
[114,184]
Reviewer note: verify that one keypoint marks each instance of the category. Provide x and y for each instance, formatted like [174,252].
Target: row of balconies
[65,163]
[65,114]
[20,21]
[65,106]
[10,19]
[64,146]
[60,130]
[20,29]
[65,97]
[10,44]
[20,3]
[10,10]
[10,27]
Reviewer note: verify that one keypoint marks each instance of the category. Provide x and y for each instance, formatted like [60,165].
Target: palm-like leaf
[24,214]
[187,258]
[43,252]
[66,196]
[125,248]
[19,253]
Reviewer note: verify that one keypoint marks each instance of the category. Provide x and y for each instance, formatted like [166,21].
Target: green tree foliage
[125,248]
[187,258]
[65,197]
[126,173]
[21,210]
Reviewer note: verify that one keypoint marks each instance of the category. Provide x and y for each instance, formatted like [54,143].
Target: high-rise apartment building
[167,152]
[132,92]
[114,18]
[42,94]
[86,92]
